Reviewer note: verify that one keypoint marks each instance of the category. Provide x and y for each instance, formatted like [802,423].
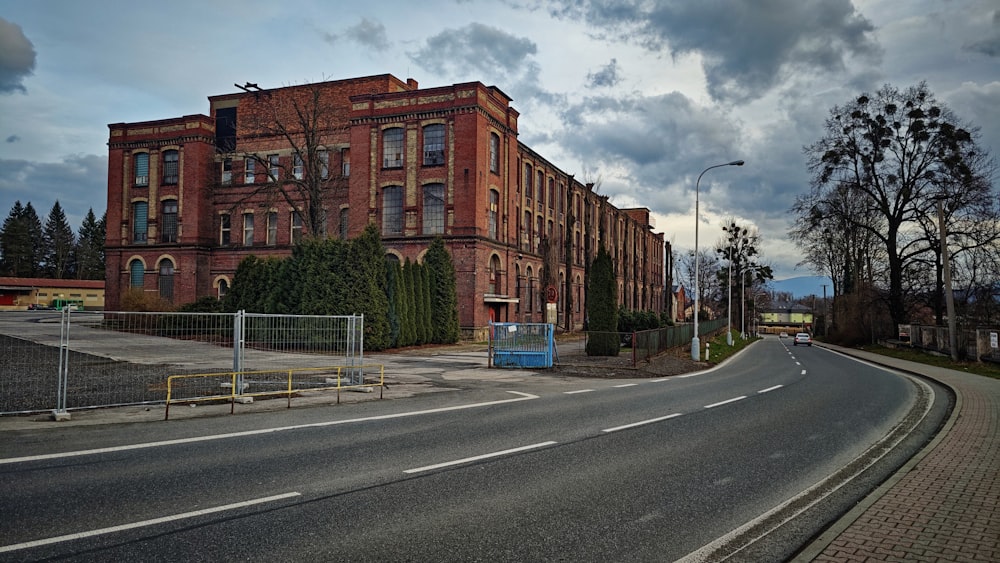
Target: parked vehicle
[803,338]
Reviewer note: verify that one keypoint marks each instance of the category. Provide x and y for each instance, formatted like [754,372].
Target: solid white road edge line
[523,397]
[478,457]
[142,524]
[641,423]
[726,402]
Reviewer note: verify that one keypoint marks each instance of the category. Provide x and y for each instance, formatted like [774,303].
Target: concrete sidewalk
[944,504]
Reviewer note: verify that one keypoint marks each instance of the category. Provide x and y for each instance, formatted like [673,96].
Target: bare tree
[894,152]
[305,121]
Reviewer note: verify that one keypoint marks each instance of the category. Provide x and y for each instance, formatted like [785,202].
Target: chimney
[412,84]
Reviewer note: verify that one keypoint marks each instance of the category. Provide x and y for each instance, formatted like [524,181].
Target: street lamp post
[729,311]
[695,341]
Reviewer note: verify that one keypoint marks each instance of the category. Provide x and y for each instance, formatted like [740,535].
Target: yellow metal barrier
[333,379]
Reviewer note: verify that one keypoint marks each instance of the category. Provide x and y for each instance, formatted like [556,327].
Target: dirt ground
[674,362]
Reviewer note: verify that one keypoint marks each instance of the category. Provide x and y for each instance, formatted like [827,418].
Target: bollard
[708,345]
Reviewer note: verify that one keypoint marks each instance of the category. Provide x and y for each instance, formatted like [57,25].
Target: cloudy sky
[639,95]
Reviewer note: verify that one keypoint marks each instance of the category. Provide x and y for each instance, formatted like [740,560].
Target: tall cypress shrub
[444,293]
[366,275]
[602,307]
[392,287]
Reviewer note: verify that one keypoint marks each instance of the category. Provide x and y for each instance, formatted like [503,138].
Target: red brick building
[190,197]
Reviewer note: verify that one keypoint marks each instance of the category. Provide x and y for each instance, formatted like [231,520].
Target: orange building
[190,197]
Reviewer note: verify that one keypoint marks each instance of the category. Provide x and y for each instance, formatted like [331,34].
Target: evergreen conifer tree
[444,293]
[58,244]
[602,307]
[89,253]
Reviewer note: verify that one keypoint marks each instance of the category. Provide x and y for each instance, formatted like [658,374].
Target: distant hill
[802,286]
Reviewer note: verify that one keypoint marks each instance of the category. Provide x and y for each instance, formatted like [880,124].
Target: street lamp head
[736,163]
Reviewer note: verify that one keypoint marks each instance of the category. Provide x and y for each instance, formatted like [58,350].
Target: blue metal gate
[521,345]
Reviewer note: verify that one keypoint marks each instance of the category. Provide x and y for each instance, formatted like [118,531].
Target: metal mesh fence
[52,360]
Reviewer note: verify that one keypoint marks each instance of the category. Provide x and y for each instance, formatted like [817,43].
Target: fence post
[60,413]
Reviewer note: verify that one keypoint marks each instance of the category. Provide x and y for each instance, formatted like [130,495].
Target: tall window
[249,176]
[494,275]
[136,273]
[141,161]
[527,182]
[224,228]
[540,188]
[345,214]
[494,153]
[296,227]
[392,210]
[531,291]
[552,192]
[248,229]
[526,227]
[227,171]
[223,288]
[392,148]
[434,209]
[272,228]
[324,164]
[140,217]
[273,168]
[345,160]
[494,213]
[297,166]
[166,280]
[434,144]
[168,221]
[170,167]
[517,288]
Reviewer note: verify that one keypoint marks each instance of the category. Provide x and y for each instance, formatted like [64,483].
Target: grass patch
[985,369]
[719,350]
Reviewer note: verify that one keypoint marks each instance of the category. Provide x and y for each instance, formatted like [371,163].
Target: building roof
[29,283]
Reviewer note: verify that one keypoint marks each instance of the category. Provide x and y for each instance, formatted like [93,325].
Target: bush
[140,301]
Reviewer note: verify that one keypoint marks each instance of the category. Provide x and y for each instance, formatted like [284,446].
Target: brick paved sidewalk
[944,505]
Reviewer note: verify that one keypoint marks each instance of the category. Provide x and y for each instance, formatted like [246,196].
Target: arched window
[166,280]
[531,291]
[136,274]
[392,210]
[223,288]
[517,288]
[433,209]
[579,286]
[345,213]
[392,148]
[494,153]
[495,274]
[527,182]
[494,213]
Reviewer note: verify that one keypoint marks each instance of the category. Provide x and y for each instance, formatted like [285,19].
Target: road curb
[819,545]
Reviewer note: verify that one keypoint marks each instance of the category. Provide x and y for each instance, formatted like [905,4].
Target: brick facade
[418,163]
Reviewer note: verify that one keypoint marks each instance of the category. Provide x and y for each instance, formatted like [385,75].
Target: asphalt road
[599,470]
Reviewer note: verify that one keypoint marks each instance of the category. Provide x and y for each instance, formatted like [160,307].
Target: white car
[802,338]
